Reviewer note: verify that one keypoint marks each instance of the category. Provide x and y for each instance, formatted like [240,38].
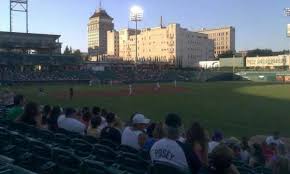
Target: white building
[171,44]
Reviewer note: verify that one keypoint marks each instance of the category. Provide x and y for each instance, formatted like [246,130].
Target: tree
[67,51]
[77,53]
[227,54]
[260,52]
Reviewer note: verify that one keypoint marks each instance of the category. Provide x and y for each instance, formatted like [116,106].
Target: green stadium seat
[104,154]
[45,135]
[132,163]
[94,167]
[108,143]
[128,149]
[82,148]
[41,157]
[144,154]
[263,170]
[41,149]
[245,170]
[61,140]
[91,139]
[163,167]
[66,161]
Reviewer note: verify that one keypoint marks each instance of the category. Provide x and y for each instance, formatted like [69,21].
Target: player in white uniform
[157,87]
[175,83]
[130,89]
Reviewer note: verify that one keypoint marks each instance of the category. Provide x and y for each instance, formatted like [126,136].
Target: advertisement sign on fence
[269,61]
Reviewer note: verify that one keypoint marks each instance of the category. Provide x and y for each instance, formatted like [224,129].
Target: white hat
[140,119]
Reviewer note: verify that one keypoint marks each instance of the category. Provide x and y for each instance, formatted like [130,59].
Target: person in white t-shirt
[171,150]
[134,136]
[215,140]
[70,123]
[274,139]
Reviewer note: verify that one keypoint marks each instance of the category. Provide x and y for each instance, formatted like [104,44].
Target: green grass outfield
[237,108]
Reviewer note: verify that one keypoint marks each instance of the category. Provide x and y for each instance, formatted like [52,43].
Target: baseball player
[130,90]
[175,83]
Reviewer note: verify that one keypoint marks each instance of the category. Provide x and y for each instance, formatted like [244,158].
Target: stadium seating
[163,167]
[104,154]
[41,151]
[108,143]
[66,161]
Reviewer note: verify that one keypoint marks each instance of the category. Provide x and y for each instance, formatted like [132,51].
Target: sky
[258,23]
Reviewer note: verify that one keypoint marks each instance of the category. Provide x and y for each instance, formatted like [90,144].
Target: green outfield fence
[265,76]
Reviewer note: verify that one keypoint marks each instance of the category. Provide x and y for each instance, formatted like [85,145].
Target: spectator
[172,151]
[52,119]
[17,109]
[85,110]
[197,138]
[257,158]
[234,144]
[129,122]
[134,135]
[96,111]
[31,115]
[111,132]
[157,134]
[70,122]
[280,161]
[274,139]
[221,161]
[103,117]
[245,150]
[45,114]
[150,129]
[215,140]
[86,117]
[94,125]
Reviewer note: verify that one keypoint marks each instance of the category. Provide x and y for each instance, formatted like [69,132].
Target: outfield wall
[265,76]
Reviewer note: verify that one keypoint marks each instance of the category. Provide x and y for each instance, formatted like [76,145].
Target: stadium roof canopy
[7,58]
[41,43]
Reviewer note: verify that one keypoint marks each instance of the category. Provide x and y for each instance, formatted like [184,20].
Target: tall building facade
[224,39]
[124,47]
[99,24]
[171,44]
[113,43]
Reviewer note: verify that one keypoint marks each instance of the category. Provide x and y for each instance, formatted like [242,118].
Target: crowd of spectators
[121,75]
[36,75]
[194,149]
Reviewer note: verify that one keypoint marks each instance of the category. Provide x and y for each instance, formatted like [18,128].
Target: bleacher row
[27,148]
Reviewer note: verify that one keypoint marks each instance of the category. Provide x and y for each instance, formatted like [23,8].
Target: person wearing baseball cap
[171,150]
[135,136]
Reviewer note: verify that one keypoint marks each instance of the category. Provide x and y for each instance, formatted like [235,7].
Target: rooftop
[102,14]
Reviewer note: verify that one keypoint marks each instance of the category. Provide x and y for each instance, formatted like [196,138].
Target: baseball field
[237,108]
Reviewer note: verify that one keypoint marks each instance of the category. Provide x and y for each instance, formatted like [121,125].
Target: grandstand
[29,43]
[28,149]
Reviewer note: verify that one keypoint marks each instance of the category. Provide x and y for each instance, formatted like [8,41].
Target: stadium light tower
[287,11]
[136,15]
[18,6]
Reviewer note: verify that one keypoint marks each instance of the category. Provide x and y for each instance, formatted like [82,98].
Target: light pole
[136,15]
[287,13]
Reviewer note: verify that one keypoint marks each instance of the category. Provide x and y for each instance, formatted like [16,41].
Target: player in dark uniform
[71,93]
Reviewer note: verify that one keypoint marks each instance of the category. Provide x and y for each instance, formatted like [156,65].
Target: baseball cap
[140,119]
[173,120]
[217,135]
